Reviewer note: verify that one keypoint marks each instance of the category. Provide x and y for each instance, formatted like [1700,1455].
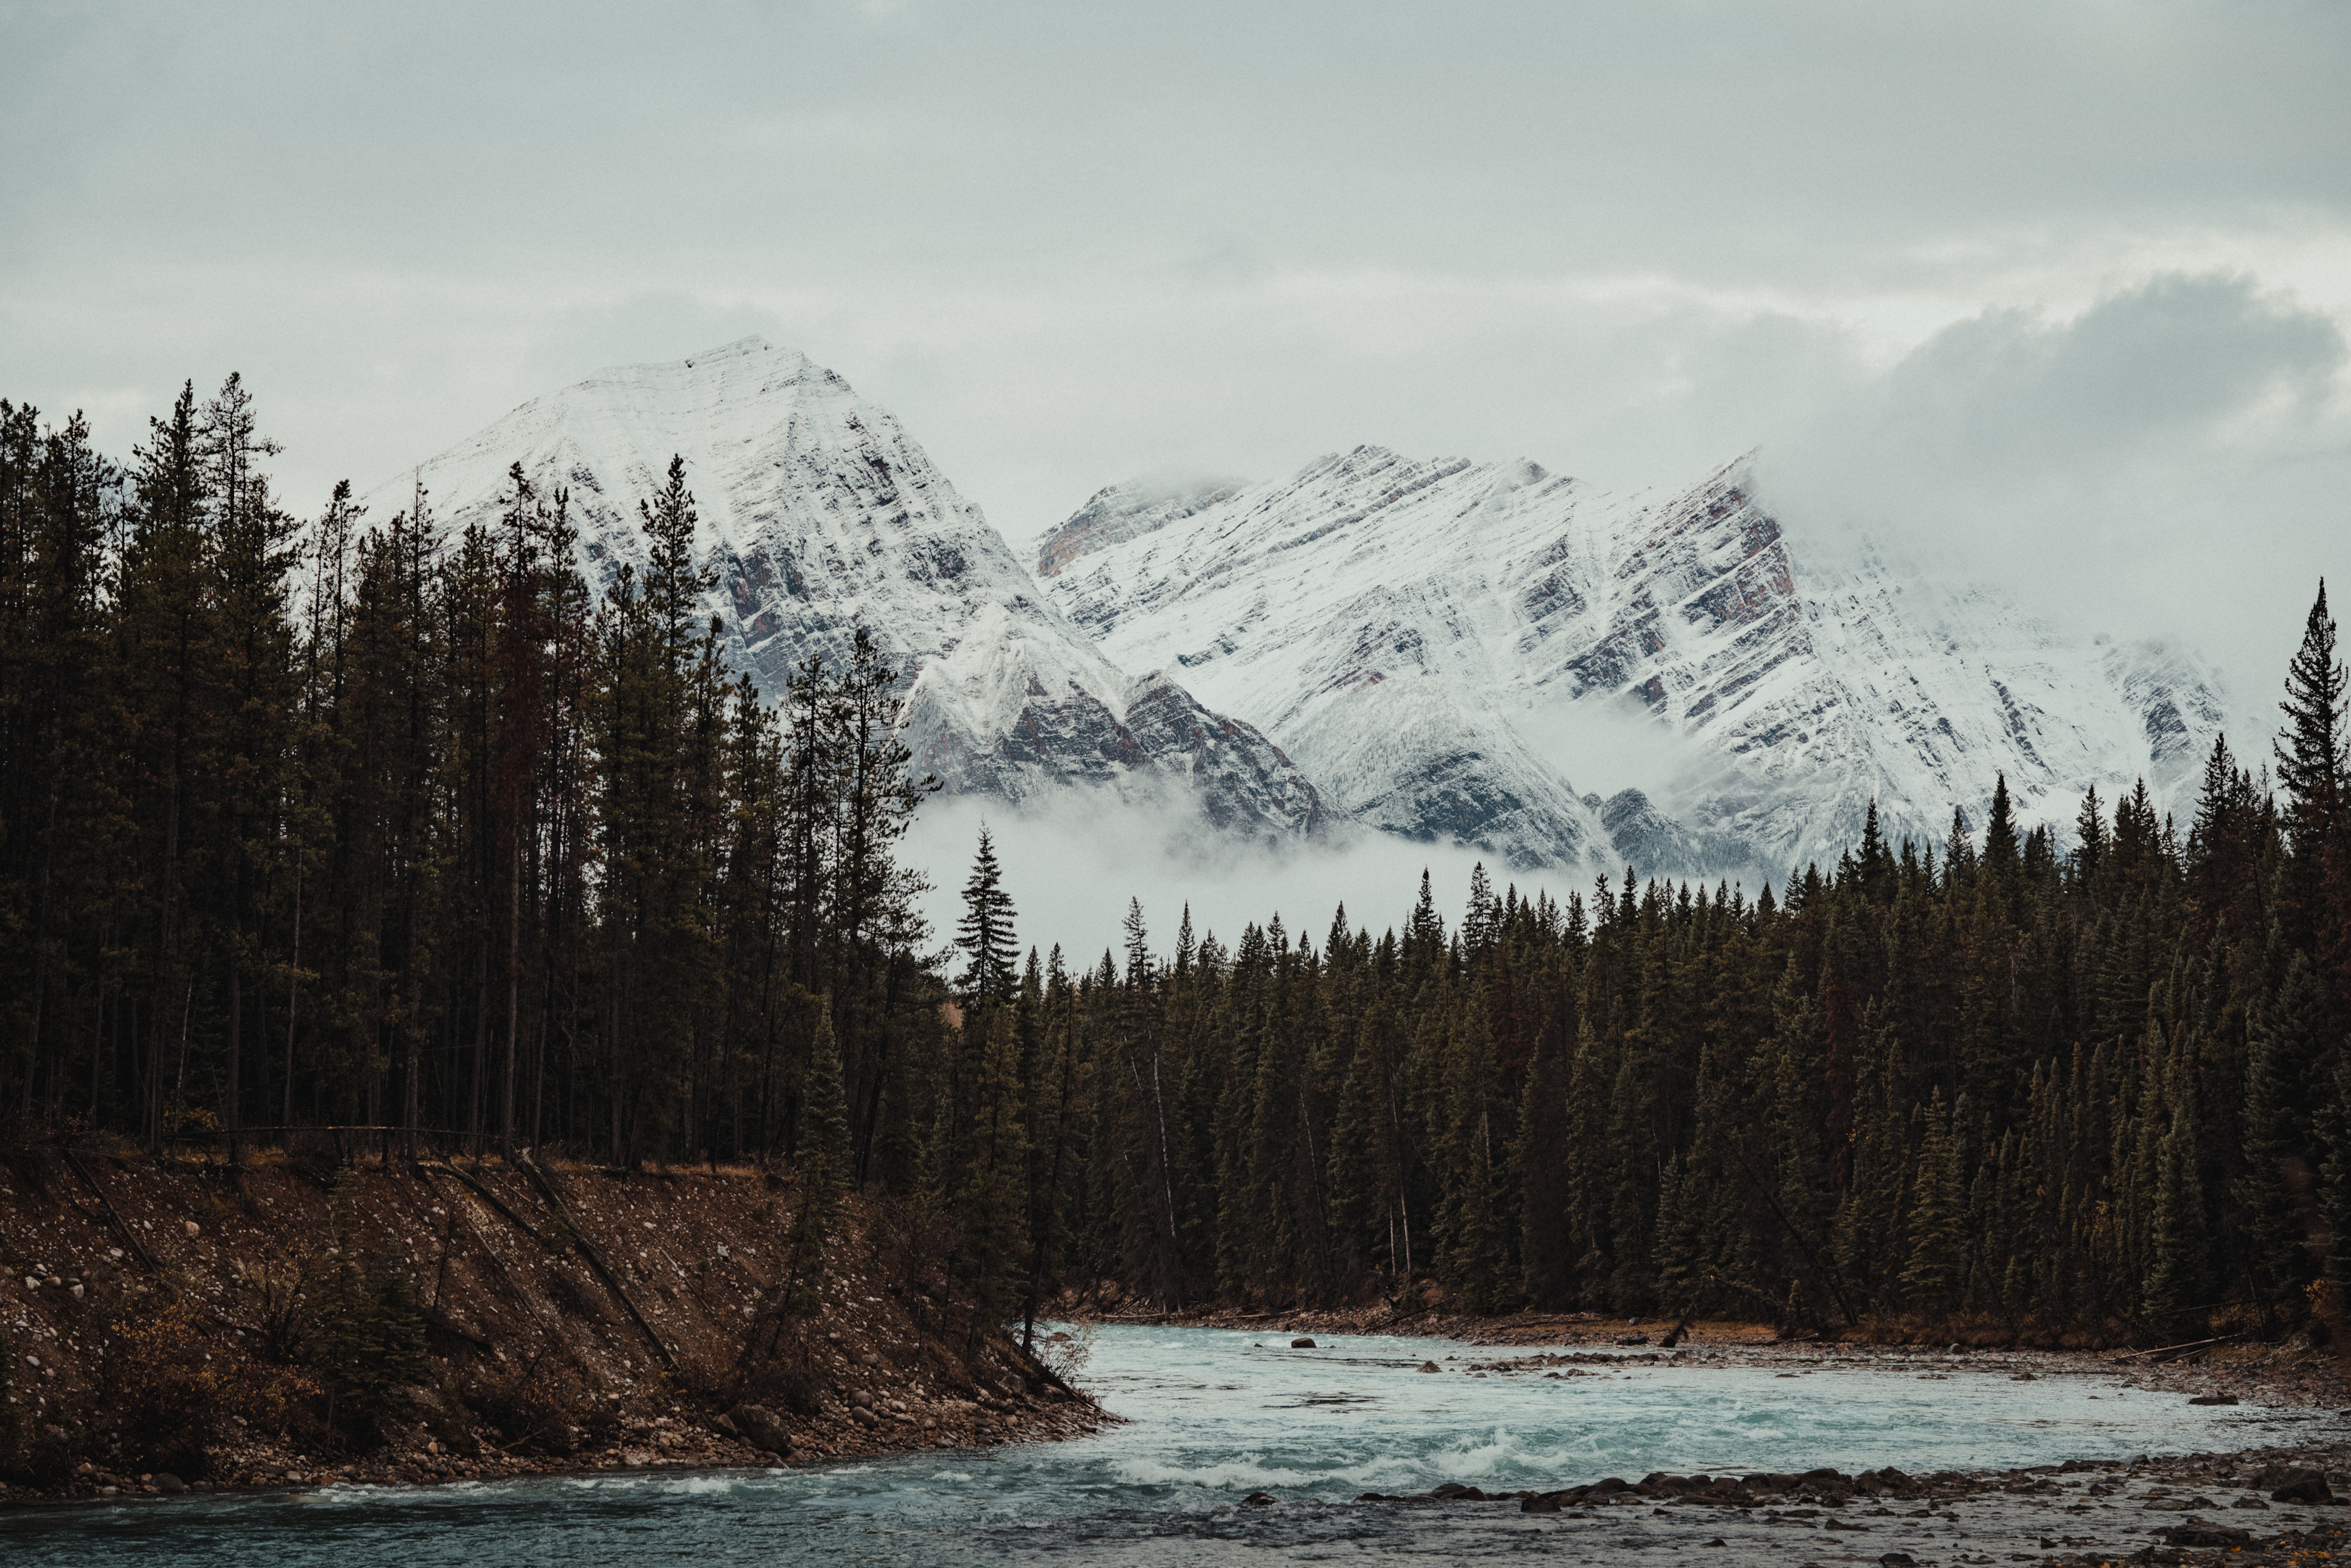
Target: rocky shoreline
[2261,1508]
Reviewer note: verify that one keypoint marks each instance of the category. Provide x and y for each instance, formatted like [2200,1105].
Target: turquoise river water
[1212,1416]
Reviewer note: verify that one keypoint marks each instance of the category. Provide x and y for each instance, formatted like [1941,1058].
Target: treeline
[347,821]
[356,821]
[2096,1088]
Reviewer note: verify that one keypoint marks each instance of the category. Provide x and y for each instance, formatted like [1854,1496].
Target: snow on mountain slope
[1409,631]
[821,515]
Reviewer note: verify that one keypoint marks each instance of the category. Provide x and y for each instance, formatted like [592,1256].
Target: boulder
[761,1427]
[1259,1500]
[168,1485]
[1302,1342]
[863,1416]
[2214,1399]
[1428,1366]
[2196,1533]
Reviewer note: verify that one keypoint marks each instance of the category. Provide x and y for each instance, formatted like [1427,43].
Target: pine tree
[1937,1215]
[2310,759]
[985,931]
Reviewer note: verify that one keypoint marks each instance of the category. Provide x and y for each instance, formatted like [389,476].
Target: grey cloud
[2010,395]
[1067,243]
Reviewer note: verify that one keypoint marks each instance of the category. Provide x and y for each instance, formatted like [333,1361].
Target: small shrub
[540,1408]
[788,1386]
[170,1380]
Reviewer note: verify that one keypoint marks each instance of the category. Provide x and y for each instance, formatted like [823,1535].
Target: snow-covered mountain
[821,515]
[1411,633]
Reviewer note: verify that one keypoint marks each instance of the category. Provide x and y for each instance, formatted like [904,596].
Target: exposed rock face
[1411,631]
[821,515]
[1643,836]
[1118,512]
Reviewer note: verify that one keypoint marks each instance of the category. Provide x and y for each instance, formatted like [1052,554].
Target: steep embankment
[175,1322]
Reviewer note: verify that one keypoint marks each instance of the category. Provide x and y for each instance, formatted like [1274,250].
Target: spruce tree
[985,931]
[2310,759]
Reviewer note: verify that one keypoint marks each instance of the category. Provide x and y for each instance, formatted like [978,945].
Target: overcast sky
[2056,291]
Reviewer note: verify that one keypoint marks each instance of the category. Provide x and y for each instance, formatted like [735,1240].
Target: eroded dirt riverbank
[161,1319]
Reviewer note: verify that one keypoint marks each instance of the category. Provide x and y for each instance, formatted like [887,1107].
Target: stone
[168,1485]
[1897,1560]
[761,1427]
[1259,1500]
[862,1397]
[2196,1533]
[1428,1366]
[1302,1342]
[2214,1399]
[863,1416]
[191,1227]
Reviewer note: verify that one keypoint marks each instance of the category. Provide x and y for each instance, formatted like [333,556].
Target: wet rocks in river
[1259,1500]
[2196,1533]
[2293,1483]
[2214,1399]
[1302,1342]
[1428,1366]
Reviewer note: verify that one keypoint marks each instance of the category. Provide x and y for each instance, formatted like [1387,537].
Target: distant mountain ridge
[821,515]
[1402,628]
[1374,639]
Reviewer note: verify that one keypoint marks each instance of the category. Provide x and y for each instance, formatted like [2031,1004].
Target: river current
[1213,1415]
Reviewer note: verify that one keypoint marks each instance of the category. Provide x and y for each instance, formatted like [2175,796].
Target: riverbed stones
[1303,1343]
[2197,1532]
[1429,1366]
[2293,1483]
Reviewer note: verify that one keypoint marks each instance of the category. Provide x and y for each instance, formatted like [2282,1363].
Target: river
[1213,1416]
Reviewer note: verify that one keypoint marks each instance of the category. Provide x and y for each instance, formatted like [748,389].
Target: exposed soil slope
[166,1323]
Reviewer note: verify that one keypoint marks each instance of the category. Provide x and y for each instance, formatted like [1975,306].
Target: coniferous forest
[340,819]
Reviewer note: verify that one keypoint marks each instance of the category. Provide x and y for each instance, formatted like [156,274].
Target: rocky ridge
[1420,635]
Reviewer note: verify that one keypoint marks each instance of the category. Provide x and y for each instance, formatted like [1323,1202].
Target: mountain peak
[819,517]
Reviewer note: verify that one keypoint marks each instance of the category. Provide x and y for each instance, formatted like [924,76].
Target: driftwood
[481,1189]
[595,1256]
[2172,1352]
[121,1226]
